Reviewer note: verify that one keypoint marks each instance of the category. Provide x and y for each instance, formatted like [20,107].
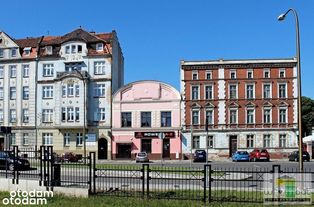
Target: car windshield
[242,153]
[200,152]
[142,154]
[264,150]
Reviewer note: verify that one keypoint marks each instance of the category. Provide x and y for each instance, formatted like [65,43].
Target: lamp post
[281,18]
[84,109]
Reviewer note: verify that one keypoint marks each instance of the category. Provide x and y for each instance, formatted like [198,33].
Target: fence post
[94,171]
[148,178]
[205,180]
[15,170]
[143,180]
[41,165]
[92,179]
[275,171]
[210,183]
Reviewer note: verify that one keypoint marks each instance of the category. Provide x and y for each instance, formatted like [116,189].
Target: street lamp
[84,109]
[281,18]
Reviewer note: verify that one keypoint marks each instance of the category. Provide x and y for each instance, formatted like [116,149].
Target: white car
[142,157]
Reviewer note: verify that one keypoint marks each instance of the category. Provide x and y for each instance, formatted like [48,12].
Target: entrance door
[102,149]
[233,142]
[124,151]
[166,148]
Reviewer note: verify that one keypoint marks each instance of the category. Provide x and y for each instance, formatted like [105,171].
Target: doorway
[166,148]
[124,151]
[233,144]
[102,149]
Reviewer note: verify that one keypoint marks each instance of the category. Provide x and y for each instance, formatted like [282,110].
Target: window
[99,46]
[70,114]
[282,140]
[47,138]
[47,115]
[64,91]
[48,70]
[1,72]
[12,71]
[49,50]
[1,93]
[99,90]
[194,92]
[145,119]
[73,49]
[233,116]
[250,116]
[1,53]
[13,52]
[146,145]
[66,138]
[233,74]
[25,138]
[79,49]
[12,115]
[12,93]
[25,71]
[195,117]
[282,73]
[208,75]
[282,90]
[196,142]
[27,51]
[47,91]
[267,113]
[267,90]
[70,89]
[266,140]
[282,116]
[250,74]
[194,75]
[250,91]
[210,141]
[12,139]
[25,93]
[73,67]
[266,73]
[209,116]
[77,90]
[100,114]
[63,114]
[79,139]
[233,91]
[250,141]
[126,119]
[77,114]
[67,49]
[1,115]
[166,119]
[209,92]
[25,115]
[99,68]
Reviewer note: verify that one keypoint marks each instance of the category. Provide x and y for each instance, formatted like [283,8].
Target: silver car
[142,157]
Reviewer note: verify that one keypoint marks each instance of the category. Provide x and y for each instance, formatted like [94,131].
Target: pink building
[146,117]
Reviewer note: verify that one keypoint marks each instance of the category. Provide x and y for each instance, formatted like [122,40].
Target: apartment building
[247,103]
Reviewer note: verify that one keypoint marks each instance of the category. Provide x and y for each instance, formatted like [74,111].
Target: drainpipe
[36,80]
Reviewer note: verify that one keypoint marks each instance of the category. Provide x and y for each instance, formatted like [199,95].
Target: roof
[28,42]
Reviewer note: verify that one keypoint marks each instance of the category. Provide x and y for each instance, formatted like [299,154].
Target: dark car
[259,154]
[199,156]
[69,157]
[294,156]
[9,162]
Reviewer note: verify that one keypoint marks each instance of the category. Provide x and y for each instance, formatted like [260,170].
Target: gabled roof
[28,42]
[209,105]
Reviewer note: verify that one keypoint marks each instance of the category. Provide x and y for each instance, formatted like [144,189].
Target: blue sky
[155,35]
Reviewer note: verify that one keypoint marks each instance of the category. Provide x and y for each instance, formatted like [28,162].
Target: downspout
[36,80]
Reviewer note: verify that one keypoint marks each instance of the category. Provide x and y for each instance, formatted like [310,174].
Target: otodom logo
[34,197]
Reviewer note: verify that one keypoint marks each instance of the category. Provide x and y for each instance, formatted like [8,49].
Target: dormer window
[73,49]
[233,74]
[49,50]
[27,51]
[99,46]
[13,52]
[282,73]
[250,74]
[194,75]
[67,49]
[79,49]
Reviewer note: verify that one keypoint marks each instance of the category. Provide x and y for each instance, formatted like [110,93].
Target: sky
[156,34]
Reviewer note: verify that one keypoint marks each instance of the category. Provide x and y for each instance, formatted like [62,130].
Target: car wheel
[11,167]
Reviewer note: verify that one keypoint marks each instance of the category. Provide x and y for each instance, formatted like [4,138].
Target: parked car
[68,157]
[259,154]
[240,156]
[7,162]
[199,156]
[294,156]
[142,157]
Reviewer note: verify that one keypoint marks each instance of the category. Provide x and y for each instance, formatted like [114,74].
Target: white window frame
[268,136]
[48,69]
[99,46]
[286,115]
[100,90]
[286,90]
[270,90]
[12,115]
[25,115]
[70,115]
[48,50]
[47,139]
[70,90]
[211,122]
[79,139]
[250,141]
[99,67]
[209,73]
[195,72]
[235,74]
[236,115]
[12,69]
[66,139]
[25,140]
[12,93]
[64,90]
[280,141]
[77,113]
[13,52]
[198,117]
[248,72]
[25,70]
[198,92]
[247,114]
[270,115]
[47,115]
[284,72]
[27,51]
[77,90]
[253,90]
[67,49]
[236,94]
[264,72]
[25,92]
[47,92]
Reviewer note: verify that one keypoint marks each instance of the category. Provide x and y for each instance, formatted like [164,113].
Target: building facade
[146,117]
[71,81]
[248,104]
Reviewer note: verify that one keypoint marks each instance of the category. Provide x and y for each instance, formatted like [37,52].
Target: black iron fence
[206,183]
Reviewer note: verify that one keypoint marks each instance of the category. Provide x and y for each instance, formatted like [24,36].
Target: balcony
[84,74]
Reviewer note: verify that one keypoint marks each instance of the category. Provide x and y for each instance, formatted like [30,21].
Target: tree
[307,115]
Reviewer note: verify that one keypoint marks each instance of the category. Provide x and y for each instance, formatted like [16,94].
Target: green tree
[307,115]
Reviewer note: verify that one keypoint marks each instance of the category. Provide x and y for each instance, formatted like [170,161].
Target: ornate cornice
[237,66]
